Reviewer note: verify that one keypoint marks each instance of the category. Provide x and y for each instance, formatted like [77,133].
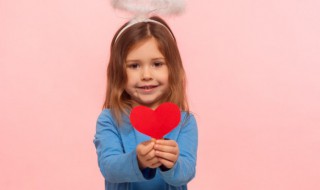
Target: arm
[184,169]
[115,165]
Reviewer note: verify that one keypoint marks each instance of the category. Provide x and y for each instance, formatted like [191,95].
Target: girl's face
[147,74]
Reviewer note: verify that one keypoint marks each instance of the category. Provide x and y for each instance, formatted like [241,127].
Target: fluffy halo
[143,7]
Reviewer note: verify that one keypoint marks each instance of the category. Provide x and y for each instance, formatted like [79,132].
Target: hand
[167,152]
[146,155]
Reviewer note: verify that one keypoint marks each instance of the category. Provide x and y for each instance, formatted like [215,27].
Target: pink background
[253,83]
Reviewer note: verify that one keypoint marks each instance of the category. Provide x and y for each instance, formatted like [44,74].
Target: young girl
[145,68]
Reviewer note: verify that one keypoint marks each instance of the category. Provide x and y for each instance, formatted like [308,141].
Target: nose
[146,74]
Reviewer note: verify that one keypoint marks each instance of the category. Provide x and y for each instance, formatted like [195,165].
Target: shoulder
[106,118]
[105,113]
[187,118]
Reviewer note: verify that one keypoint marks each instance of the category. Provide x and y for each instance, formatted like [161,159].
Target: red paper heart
[155,123]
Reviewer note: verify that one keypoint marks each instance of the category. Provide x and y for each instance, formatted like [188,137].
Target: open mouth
[149,87]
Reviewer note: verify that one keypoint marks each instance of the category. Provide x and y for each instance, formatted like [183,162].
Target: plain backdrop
[253,70]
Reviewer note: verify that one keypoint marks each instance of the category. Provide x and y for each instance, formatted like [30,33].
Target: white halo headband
[142,8]
[136,21]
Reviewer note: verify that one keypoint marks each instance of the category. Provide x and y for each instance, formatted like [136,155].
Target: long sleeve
[184,169]
[115,165]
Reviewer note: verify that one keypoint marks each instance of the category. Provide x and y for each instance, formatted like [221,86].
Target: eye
[158,64]
[133,65]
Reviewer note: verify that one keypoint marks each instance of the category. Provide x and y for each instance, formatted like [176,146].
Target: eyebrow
[137,60]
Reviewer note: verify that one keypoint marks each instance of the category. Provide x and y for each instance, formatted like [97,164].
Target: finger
[153,161]
[167,156]
[156,165]
[166,142]
[150,155]
[166,163]
[145,148]
[149,141]
[165,148]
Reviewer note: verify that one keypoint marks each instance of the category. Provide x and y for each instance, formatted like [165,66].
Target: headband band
[146,20]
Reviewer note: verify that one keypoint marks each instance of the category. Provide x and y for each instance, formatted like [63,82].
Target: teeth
[147,87]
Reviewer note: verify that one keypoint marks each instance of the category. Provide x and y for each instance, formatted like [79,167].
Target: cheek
[166,80]
[165,76]
[129,78]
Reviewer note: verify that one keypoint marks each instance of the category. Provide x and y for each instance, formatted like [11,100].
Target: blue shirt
[117,159]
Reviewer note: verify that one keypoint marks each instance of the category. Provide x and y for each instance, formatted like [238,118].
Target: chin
[148,103]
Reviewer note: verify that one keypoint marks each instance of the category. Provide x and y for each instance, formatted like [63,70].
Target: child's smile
[147,74]
[147,88]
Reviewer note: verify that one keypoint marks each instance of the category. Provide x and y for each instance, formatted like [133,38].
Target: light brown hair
[117,99]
